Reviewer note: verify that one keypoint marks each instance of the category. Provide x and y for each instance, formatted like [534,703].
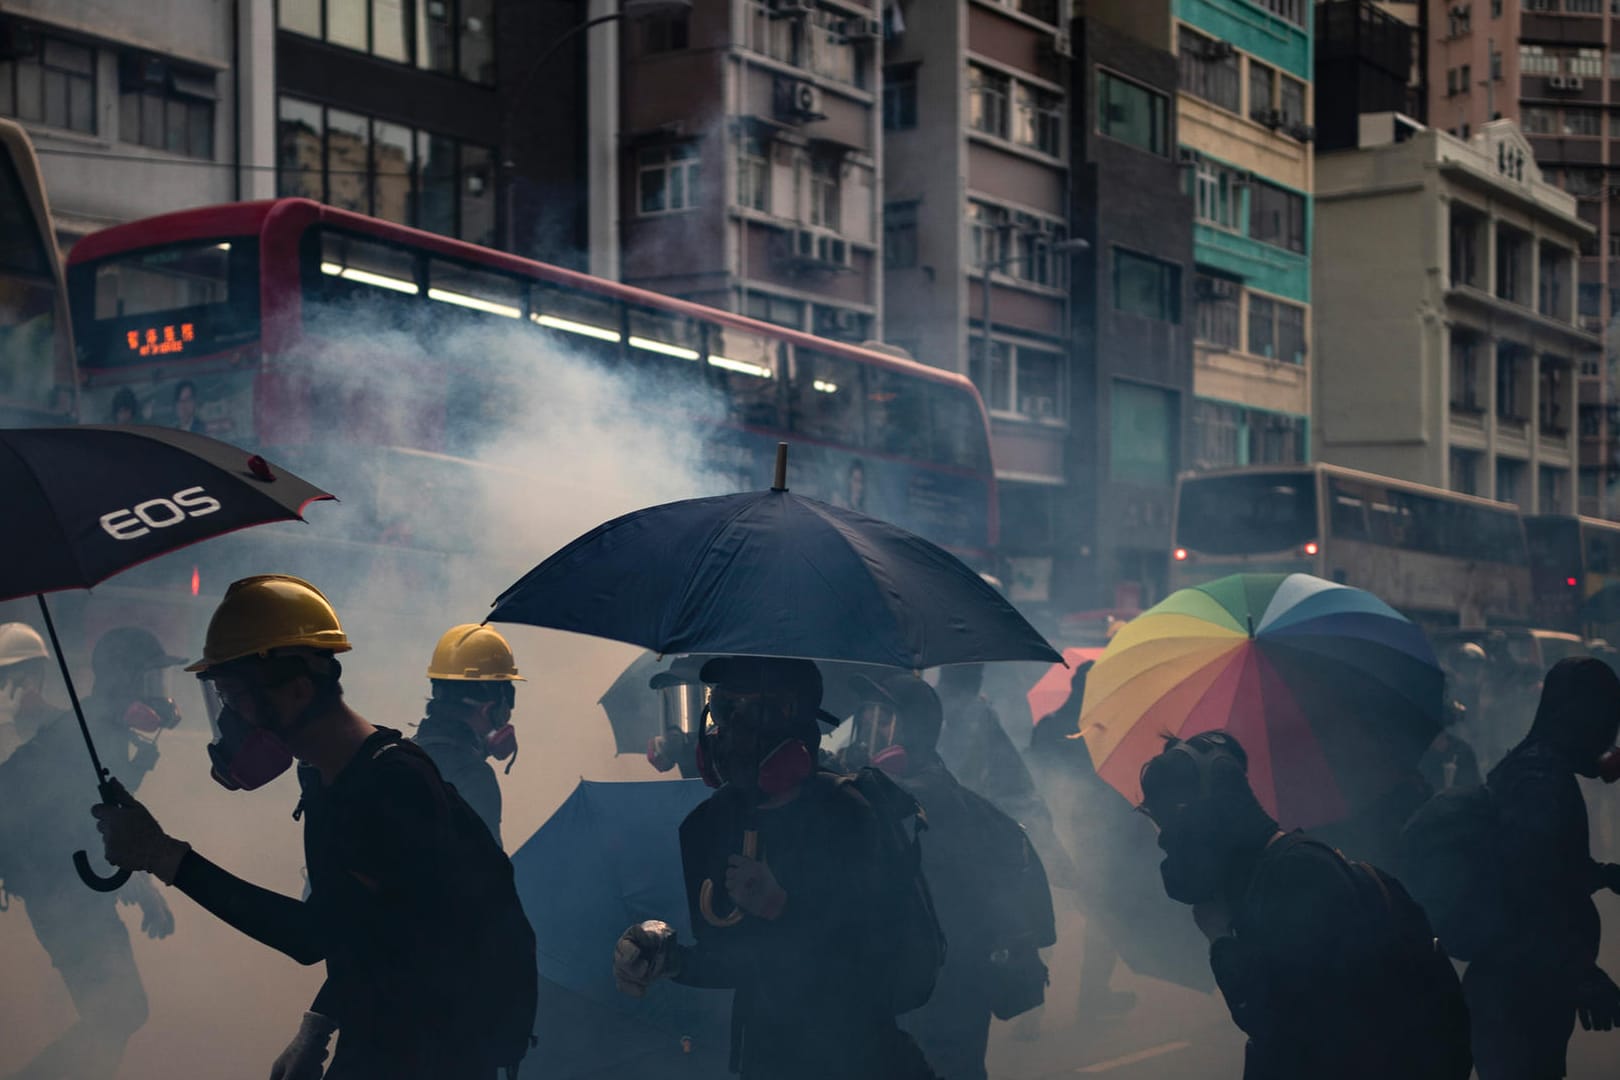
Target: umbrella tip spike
[781,467]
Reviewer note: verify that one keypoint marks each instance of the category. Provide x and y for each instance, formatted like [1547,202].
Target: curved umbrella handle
[111,883]
[706,891]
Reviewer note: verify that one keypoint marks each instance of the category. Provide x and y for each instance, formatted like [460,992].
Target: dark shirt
[390,853]
[455,748]
[809,999]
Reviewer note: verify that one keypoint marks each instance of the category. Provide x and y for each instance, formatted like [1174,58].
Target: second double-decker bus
[1441,558]
[287,325]
[1575,562]
[36,342]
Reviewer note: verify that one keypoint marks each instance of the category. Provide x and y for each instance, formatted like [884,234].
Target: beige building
[1447,344]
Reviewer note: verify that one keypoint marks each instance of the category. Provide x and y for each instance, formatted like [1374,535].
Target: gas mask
[1609,765]
[152,711]
[1202,821]
[502,745]
[245,757]
[873,743]
[737,749]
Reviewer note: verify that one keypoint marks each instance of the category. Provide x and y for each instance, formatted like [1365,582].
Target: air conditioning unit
[1220,50]
[1040,408]
[785,8]
[1058,47]
[804,243]
[798,101]
[1303,132]
[832,250]
[1555,82]
[859,29]
[1574,82]
[1272,118]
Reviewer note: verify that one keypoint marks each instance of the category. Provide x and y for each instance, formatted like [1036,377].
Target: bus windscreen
[1253,513]
[163,303]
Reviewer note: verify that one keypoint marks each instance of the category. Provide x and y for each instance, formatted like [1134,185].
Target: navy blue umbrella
[770,573]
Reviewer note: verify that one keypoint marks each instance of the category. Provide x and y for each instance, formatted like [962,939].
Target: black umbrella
[87,502]
[769,573]
[635,715]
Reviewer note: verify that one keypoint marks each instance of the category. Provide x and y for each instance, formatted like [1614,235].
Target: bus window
[958,427]
[28,301]
[825,399]
[1254,513]
[474,291]
[747,365]
[352,267]
[577,322]
[1347,512]
[897,414]
[182,300]
[1602,550]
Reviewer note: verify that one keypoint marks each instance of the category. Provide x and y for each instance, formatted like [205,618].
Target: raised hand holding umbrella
[88,502]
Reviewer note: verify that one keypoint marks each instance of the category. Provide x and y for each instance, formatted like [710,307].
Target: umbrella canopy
[1333,693]
[84,503]
[772,574]
[1052,689]
[610,856]
[635,716]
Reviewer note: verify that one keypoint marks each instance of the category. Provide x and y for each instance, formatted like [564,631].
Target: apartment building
[1446,333]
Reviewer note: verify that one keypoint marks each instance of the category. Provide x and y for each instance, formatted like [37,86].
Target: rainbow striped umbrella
[1333,693]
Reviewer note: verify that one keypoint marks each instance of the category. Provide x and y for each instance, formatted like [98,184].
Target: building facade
[1133,361]
[975,198]
[1552,66]
[1447,340]
[1245,134]
[751,161]
[139,109]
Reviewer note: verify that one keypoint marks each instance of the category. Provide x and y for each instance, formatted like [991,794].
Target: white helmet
[19,642]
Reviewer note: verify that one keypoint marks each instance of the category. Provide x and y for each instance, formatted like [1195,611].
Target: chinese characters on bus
[157,342]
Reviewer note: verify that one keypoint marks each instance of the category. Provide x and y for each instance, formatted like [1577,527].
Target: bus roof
[252,218]
[1323,468]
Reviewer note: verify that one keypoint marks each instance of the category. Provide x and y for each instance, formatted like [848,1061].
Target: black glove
[1597,1001]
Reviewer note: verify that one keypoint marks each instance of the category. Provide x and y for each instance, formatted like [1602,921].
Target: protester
[1526,993]
[429,959]
[986,880]
[680,699]
[42,821]
[1450,761]
[469,716]
[23,669]
[1326,964]
[812,931]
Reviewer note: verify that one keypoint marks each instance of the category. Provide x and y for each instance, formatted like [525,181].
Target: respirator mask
[153,711]
[1609,765]
[244,756]
[876,724]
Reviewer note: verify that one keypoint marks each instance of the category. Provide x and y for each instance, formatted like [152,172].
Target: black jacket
[808,1002]
[401,879]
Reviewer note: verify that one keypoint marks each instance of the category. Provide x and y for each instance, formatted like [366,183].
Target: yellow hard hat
[473,653]
[270,611]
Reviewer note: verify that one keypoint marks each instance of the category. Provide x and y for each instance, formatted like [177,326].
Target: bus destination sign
[161,341]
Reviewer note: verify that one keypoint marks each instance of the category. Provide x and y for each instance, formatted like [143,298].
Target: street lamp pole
[1063,247]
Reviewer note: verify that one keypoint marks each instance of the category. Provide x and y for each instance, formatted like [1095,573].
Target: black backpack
[1450,862]
[915,952]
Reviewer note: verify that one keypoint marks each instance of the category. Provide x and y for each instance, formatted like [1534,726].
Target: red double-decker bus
[286,325]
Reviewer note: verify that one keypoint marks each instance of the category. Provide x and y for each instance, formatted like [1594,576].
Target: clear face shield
[683,706]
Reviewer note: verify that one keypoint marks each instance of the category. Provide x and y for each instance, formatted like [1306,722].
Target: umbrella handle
[111,883]
[706,892]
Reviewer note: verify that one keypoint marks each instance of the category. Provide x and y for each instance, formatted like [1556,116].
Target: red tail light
[1180,554]
[1571,582]
[196,581]
[1311,548]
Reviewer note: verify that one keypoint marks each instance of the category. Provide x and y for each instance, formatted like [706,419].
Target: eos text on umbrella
[159,513]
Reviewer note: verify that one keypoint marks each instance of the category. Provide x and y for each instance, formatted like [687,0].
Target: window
[1037,119]
[1292,10]
[988,226]
[774,309]
[1554,378]
[1465,381]
[1219,313]
[900,97]
[1538,120]
[1583,121]
[1038,381]
[1536,60]
[1148,287]
[1277,216]
[1509,480]
[667,179]
[1587,62]
[1465,471]
[988,94]
[1217,194]
[825,192]
[833,54]
[1262,89]
[1142,434]
[1291,340]
[1226,435]
[52,84]
[1291,100]
[1552,281]
[1551,485]
[166,107]
[665,33]
[1512,391]
[1614,245]
[1209,69]
[840,324]
[1614,64]
[1034,260]
[385,170]
[825,397]
[779,38]
[1133,114]
[1262,327]
[1465,79]
[754,173]
[1512,273]
[1466,234]
[900,235]
[1276,329]
[453,37]
[1584,7]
